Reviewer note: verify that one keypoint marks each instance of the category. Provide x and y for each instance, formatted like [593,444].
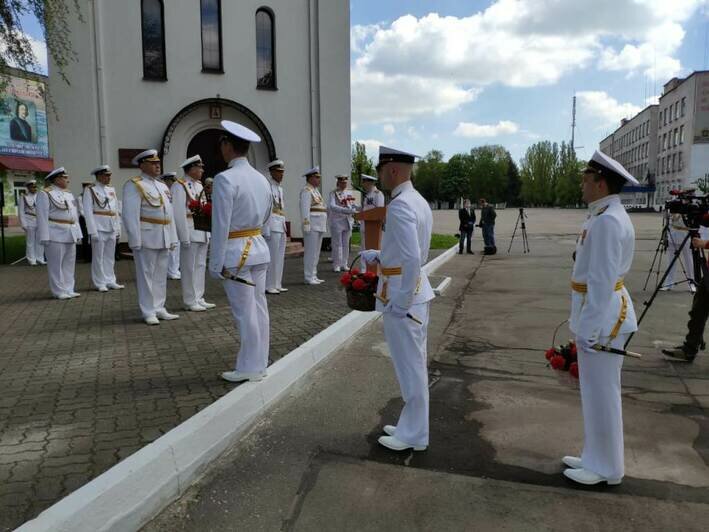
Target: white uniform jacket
[183,191]
[405,246]
[373,199]
[241,201]
[277,221]
[600,304]
[313,211]
[340,210]
[101,210]
[57,216]
[147,214]
[27,210]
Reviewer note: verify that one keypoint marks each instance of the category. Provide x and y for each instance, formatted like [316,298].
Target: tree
[538,172]
[430,171]
[568,177]
[488,167]
[456,179]
[16,48]
[514,184]
[361,164]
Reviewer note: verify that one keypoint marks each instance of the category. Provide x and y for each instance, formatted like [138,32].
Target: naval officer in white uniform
[341,207]
[241,206]
[27,213]
[601,313]
[275,229]
[313,212]
[193,244]
[405,288]
[58,230]
[100,207]
[372,199]
[149,223]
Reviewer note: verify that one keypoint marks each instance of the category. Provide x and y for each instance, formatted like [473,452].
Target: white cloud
[605,110]
[389,129]
[39,50]
[473,130]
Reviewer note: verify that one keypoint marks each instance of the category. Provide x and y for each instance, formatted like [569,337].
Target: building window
[153,29]
[684,105]
[265,49]
[676,110]
[676,137]
[211,13]
[679,161]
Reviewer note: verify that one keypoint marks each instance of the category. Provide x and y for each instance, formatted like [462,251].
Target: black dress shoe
[471,252]
[679,354]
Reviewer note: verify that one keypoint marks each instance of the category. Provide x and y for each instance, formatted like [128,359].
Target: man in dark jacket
[466,215]
[487,223]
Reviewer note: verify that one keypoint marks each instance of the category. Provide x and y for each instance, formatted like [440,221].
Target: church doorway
[206,145]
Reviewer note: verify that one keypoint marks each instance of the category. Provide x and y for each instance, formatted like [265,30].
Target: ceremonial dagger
[408,315]
[230,276]
[621,352]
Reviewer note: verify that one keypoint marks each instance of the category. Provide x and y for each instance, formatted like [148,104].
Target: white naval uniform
[58,229]
[241,201]
[148,220]
[340,211]
[313,212]
[677,233]
[275,233]
[604,255]
[193,244]
[405,246]
[100,207]
[173,261]
[27,211]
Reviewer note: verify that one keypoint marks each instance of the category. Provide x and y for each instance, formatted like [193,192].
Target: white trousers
[407,344]
[674,241]
[34,250]
[151,279]
[173,265]
[277,248]
[341,247]
[193,268]
[103,259]
[250,311]
[599,377]
[61,261]
[313,243]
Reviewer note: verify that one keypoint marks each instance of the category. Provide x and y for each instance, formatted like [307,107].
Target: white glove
[306,228]
[94,236]
[370,256]
[585,344]
[396,310]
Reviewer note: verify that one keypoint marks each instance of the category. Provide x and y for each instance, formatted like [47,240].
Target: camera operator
[694,341]
[676,235]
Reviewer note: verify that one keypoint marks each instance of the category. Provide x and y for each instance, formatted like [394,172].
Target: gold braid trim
[136,181]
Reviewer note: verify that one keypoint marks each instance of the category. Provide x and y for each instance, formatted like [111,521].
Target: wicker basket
[362,301]
[202,222]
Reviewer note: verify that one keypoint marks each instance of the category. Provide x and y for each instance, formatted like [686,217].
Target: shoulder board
[47,189]
[136,179]
[181,181]
[601,211]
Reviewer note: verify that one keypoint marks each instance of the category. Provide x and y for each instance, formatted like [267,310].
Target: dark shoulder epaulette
[601,211]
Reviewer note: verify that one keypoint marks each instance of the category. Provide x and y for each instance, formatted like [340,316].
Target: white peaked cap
[31,182]
[311,171]
[147,154]
[168,175]
[190,161]
[56,172]
[240,131]
[102,168]
[602,162]
[366,177]
[275,163]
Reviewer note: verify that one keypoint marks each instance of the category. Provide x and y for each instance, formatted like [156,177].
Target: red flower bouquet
[564,358]
[201,214]
[360,288]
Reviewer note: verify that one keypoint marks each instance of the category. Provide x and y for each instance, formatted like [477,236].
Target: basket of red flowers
[201,214]
[360,287]
[564,358]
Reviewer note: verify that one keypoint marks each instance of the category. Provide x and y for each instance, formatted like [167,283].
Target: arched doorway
[206,145]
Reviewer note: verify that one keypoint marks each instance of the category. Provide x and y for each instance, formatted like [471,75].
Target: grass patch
[14,248]
[438,241]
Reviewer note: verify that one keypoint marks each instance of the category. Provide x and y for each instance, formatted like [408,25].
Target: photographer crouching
[694,341]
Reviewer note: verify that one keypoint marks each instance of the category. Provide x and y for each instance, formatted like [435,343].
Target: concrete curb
[132,492]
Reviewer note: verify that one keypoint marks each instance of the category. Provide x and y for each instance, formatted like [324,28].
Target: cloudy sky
[454,74]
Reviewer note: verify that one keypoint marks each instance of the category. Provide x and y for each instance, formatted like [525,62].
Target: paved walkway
[500,421]
[85,383]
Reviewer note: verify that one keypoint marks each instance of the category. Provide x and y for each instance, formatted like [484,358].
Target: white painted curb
[132,492]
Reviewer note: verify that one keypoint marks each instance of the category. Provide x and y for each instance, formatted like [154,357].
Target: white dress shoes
[206,305]
[312,282]
[63,296]
[574,462]
[102,289]
[273,291]
[165,315]
[589,478]
[389,430]
[319,280]
[240,376]
[195,308]
[74,294]
[115,286]
[282,289]
[337,270]
[390,442]
[152,320]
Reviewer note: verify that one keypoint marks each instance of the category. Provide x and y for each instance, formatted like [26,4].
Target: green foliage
[361,164]
[568,177]
[14,248]
[438,241]
[430,171]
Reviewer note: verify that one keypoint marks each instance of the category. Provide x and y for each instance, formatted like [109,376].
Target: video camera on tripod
[693,209]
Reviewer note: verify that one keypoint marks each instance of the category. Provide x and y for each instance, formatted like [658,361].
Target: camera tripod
[701,274]
[525,240]
[662,246]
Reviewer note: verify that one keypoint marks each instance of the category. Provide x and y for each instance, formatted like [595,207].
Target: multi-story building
[155,74]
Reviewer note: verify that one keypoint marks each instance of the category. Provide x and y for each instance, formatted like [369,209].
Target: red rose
[574,370]
[194,205]
[359,285]
[346,279]
[557,362]
[354,271]
[550,353]
[370,276]
[207,209]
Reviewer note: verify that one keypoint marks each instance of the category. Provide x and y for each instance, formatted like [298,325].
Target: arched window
[153,28]
[211,11]
[265,49]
